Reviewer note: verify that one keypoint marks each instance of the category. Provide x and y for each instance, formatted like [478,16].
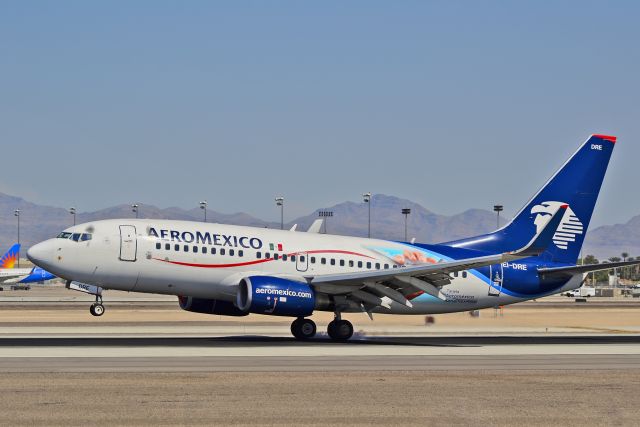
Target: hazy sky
[451,104]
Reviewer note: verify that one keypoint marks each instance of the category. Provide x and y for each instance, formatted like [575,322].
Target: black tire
[340,330]
[96,309]
[303,329]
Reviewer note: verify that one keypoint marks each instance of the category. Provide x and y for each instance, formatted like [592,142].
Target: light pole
[280,202]
[203,206]
[17,214]
[497,209]
[367,199]
[325,214]
[134,208]
[72,211]
[405,212]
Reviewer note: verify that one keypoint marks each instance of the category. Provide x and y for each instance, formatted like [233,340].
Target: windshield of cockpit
[76,237]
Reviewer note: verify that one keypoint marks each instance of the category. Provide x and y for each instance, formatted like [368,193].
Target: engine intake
[275,296]
[209,306]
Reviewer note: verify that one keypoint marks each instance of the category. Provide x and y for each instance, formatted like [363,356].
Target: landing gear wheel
[96,309]
[303,329]
[340,330]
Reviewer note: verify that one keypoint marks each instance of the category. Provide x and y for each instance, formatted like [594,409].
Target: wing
[377,288]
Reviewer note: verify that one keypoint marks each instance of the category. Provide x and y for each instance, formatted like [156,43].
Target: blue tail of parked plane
[577,185]
[37,274]
[9,259]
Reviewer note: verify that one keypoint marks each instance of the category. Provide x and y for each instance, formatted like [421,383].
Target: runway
[264,354]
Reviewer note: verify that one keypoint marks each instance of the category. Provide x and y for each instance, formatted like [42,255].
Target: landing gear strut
[303,329]
[339,329]
[97,309]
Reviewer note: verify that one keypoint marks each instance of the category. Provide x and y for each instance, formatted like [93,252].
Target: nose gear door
[128,243]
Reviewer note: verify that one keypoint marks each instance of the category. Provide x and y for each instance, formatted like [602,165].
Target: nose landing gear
[303,329]
[97,308]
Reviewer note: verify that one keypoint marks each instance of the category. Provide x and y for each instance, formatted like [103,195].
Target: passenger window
[395,265]
[222,251]
[231,252]
[176,248]
[386,266]
[204,250]
[213,251]
[359,264]
[333,261]
[240,252]
[195,249]
[464,274]
[323,260]
[167,246]
[276,256]
[301,258]
[293,258]
[267,255]
[284,257]
[313,260]
[258,255]
[368,265]
[158,245]
[377,266]
[350,263]
[341,263]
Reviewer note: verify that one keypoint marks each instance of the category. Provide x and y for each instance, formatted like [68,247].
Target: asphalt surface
[264,354]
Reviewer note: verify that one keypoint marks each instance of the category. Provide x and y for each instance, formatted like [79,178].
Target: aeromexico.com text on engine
[283,292]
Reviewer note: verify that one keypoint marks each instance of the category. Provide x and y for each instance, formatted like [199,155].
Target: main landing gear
[97,309]
[303,329]
[338,329]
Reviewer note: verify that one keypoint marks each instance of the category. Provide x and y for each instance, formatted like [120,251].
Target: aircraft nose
[41,254]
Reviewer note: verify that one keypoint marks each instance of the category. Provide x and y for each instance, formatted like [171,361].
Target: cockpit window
[76,237]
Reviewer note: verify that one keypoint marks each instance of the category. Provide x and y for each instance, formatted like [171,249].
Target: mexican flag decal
[275,247]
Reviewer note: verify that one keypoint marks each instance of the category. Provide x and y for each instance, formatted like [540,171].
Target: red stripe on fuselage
[259,261]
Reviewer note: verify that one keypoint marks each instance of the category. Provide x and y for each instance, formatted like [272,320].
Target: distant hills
[39,222]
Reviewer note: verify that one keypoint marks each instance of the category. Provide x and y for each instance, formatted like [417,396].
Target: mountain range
[39,222]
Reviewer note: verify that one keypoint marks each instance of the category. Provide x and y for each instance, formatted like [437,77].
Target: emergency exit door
[128,243]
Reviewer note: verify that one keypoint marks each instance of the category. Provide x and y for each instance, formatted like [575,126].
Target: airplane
[235,270]
[15,276]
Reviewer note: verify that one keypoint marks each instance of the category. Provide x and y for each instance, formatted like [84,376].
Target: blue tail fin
[9,259]
[577,185]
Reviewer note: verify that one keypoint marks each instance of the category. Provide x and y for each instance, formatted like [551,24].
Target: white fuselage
[207,260]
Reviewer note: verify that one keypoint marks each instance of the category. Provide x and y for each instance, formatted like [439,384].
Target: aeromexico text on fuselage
[206,238]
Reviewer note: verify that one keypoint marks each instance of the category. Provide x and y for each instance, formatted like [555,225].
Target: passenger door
[496,277]
[128,243]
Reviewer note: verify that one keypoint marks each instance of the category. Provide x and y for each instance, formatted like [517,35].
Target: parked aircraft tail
[9,259]
[576,184]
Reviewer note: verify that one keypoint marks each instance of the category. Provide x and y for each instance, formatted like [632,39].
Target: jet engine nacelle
[209,306]
[275,296]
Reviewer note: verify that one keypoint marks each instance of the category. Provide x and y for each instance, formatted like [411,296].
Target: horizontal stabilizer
[581,269]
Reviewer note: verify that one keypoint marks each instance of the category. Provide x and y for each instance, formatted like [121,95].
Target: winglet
[315,227]
[541,241]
